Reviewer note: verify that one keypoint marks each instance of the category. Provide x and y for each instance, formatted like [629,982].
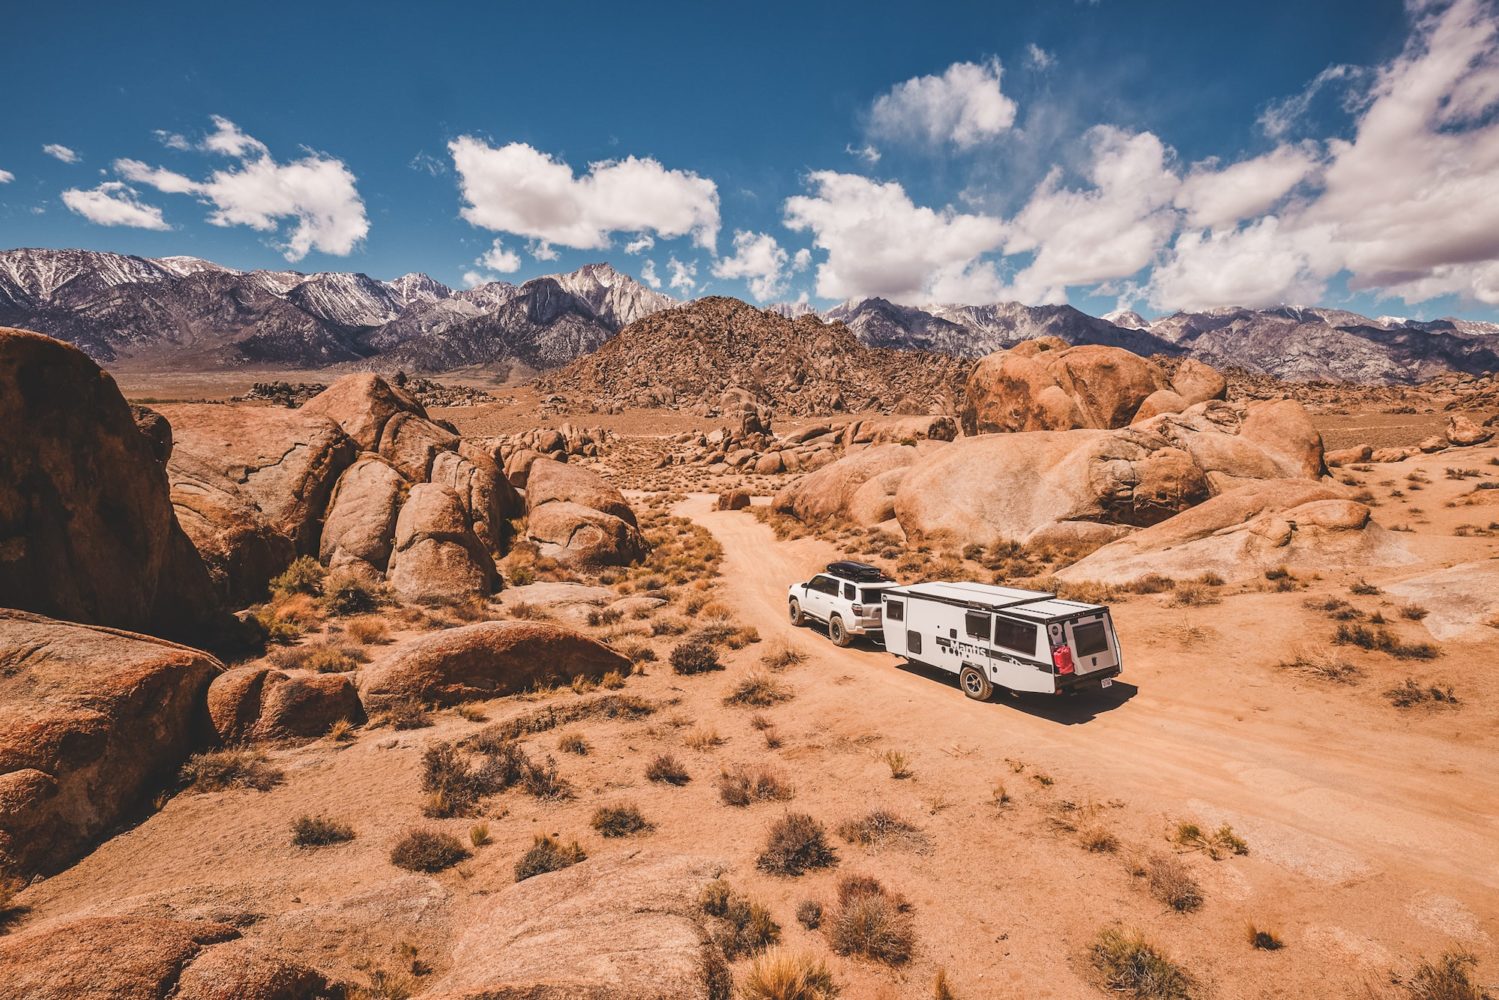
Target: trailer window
[977,625]
[1090,638]
[913,642]
[895,611]
[1019,636]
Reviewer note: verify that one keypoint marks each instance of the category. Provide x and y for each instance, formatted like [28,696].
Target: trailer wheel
[797,620]
[837,632]
[974,684]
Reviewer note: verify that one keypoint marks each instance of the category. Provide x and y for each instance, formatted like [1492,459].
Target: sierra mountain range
[185,313]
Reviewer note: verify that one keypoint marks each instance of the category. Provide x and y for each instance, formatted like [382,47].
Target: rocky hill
[687,357]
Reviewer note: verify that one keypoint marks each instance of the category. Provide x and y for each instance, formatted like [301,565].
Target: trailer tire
[974,684]
[838,632]
[797,618]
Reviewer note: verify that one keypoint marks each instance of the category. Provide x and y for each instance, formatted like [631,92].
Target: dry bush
[425,850]
[782,657]
[809,914]
[605,706]
[319,831]
[797,843]
[1334,607]
[1322,663]
[744,927]
[1131,965]
[741,786]
[620,821]
[871,922]
[1448,978]
[342,731]
[1384,641]
[573,743]
[1098,840]
[598,617]
[320,657]
[1413,612]
[470,713]
[899,764]
[1171,883]
[703,738]
[882,828]
[547,854]
[695,656]
[1364,588]
[541,780]
[347,593]
[367,629]
[220,770]
[478,834]
[759,691]
[402,713]
[1193,595]
[785,975]
[612,681]
[1262,939]
[1216,845]
[666,770]
[304,576]
[453,787]
[1410,694]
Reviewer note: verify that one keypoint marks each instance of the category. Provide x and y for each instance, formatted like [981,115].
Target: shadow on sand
[1065,709]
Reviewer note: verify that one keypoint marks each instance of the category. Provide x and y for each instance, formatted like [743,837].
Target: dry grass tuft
[1171,883]
[666,770]
[221,770]
[1448,978]
[744,928]
[1410,694]
[425,850]
[547,854]
[871,922]
[782,657]
[1132,966]
[758,691]
[797,843]
[620,821]
[1262,939]
[1216,845]
[899,764]
[785,975]
[319,831]
[882,828]
[741,785]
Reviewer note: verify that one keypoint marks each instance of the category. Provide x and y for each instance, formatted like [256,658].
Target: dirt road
[1353,806]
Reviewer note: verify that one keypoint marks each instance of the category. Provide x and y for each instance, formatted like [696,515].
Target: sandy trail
[1314,790]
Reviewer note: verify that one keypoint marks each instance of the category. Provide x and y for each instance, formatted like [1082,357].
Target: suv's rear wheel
[974,684]
[796,613]
[838,632]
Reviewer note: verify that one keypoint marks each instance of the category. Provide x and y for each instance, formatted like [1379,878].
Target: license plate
[1107,682]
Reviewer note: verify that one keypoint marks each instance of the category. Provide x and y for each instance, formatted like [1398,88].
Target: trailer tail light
[1061,658]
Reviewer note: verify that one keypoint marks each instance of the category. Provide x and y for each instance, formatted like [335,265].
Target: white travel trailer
[1021,640]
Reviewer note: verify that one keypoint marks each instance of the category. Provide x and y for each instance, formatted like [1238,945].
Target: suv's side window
[824,585]
[850,593]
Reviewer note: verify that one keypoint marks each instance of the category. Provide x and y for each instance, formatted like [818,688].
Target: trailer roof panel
[1035,604]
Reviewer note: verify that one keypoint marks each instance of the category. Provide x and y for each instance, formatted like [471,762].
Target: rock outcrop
[87,531]
[575,517]
[1246,531]
[617,928]
[91,719]
[1045,385]
[436,554]
[485,660]
[358,533]
[835,490]
[362,405]
[257,704]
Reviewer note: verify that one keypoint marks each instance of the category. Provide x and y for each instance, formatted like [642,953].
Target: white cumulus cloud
[1214,196]
[880,243]
[648,274]
[60,152]
[497,258]
[964,106]
[683,275]
[317,194]
[519,189]
[760,261]
[1038,57]
[114,203]
[640,244]
[6,176]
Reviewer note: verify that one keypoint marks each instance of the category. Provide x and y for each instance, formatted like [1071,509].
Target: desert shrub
[604,706]
[666,770]
[1151,583]
[573,743]
[1171,883]
[1448,978]
[744,928]
[403,714]
[346,593]
[454,787]
[1364,588]
[319,831]
[1413,612]
[367,629]
[758,690]
[1193,595]
[740,786]
[782,657]
[1216,845]
[1277,573]
[424,850]
[220,770]
[342,731]
[1098,840]
[637,652]
[612,681]
[703,738]
[304,576]
[1335,608]
[1325,664]
[478,834]
[1132,966]
[785,975]
[319,657]
[871,922]
[694,657]
[809,914]
[881,828]
[1211,579]
[1263,940]
[542,781]
[605,616]
[547,854]
[899,764]
[620,821]
[1355,635]
[1410,694]
[797,843]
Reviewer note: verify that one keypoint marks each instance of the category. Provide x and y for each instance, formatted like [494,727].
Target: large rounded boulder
[91,720]
[87,530]
[485,660]
[581,536]
[1041,386]
[551,481]
[254,704]
[828,492]
[362,405]
[437,556]
[238,545]
[359,531]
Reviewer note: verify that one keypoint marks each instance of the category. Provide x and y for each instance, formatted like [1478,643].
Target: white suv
[846,597]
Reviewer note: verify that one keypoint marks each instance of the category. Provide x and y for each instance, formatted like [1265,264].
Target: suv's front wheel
[838,632]
[797,618]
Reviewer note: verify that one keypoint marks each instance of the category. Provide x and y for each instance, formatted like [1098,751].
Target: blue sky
[1161,155]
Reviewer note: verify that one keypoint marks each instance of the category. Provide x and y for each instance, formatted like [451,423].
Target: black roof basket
[862,572]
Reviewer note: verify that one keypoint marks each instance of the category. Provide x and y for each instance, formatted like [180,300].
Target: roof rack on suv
[862,572]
